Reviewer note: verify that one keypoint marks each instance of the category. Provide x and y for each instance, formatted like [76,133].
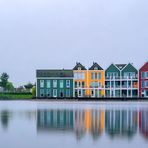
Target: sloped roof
[120,66]
[54,73]
[95,65]
[145,66]
[79,65]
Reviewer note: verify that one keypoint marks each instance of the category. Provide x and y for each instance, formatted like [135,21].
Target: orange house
[89,83]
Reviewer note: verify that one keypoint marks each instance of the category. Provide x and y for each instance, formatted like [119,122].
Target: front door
[54,93]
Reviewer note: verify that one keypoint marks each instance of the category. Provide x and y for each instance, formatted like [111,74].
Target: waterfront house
[54,83]
[96,81]
[143,80]
[80,80]
[121,80]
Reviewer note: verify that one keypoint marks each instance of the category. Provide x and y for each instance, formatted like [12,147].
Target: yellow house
[88,83]
[96,81]
[80,80]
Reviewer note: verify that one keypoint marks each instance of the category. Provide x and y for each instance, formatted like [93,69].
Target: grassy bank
[14,96]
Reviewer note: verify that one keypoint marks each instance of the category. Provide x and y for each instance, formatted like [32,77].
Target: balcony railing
[121,77]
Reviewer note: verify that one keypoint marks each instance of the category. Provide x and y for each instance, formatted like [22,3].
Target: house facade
[143,80]
[96,81]
[89,83]
[54,83]
[121,80]
[80,80]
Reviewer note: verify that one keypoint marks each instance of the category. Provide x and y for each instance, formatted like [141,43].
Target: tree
[4,80]
[9,86]
[28,86]
[34,91]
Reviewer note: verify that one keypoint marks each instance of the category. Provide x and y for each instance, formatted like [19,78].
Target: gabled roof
[54,73]
[120,66]
[145,66]
[95,65]
[79,65]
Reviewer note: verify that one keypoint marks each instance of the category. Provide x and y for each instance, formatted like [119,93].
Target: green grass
[15,96]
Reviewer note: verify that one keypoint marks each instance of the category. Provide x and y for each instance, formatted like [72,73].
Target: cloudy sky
[39,34]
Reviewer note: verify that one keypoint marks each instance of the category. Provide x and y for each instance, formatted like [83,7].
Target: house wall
[45,89]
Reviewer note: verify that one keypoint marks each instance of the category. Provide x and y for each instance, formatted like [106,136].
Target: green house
[121,80]
[54,83]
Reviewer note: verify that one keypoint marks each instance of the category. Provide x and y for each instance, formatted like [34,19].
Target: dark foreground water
[28,124]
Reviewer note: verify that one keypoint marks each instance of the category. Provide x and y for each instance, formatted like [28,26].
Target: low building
[54,83]
[143,80]
[121,80]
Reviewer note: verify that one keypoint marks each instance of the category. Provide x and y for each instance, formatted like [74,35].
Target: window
[146,74]
[143,85]
[54,83]
[146,93]
[76,85]
[146,84]
[79,84]
[75,75]
[41,92]
[61,84]
[79,75]
[143,75]
[67,83]
[79,93]
[96,76]
[92,76]
[41,83]
[99,75]
[83,84]
[48,83]
[79,68]
[61,93]
[67,93]
[54,93]
[92,84]
[48,93]
[99,84]
[83,75]
[96,68]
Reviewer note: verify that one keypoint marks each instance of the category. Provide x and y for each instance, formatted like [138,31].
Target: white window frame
[42,83]
[54,83]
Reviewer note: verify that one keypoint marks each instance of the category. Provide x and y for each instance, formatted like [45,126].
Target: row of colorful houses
[118,80]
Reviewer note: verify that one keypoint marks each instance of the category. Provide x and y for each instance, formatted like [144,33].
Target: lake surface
[32,124]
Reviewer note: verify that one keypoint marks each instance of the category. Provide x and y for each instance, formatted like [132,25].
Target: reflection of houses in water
[121,122]
[80,121]
[143,123]
[91,121]
[55,119]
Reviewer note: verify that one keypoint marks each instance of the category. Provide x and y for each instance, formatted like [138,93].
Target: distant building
[121,80]
[54,83]
[143,80]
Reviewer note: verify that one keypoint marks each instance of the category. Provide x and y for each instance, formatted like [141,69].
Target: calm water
[28,124]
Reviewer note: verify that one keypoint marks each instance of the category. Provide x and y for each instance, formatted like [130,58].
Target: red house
[143,80]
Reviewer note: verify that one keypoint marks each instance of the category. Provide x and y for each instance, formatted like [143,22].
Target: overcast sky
[39,34]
